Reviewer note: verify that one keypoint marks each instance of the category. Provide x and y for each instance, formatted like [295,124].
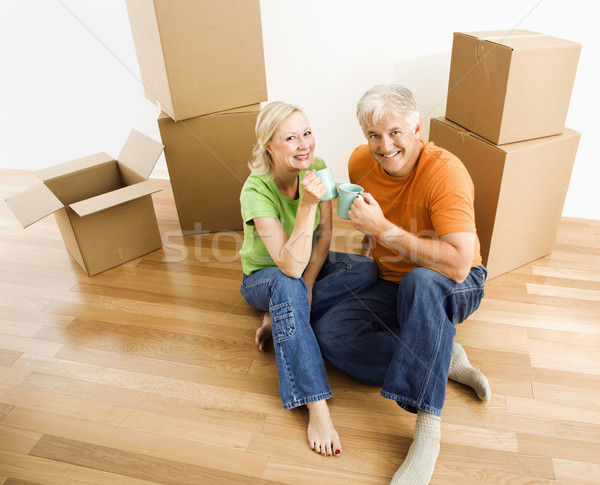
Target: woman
[289,271]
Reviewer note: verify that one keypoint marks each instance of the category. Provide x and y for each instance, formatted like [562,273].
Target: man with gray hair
[418,221]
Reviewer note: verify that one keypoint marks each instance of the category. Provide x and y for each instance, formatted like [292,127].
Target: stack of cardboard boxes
[203,63]
[508,97]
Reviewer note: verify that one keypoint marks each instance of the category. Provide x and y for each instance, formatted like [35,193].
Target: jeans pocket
[283,324]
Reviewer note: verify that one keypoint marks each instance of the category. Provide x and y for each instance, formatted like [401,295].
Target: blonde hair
[269,119]
[384,100]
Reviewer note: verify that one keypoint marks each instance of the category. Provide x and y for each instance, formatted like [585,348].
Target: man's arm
[450,254]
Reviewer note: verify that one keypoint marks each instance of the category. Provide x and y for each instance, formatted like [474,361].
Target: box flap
[114,198]
[33,204]
[464,133]
[139,154]
[251,108]
[520,39]
[67,168]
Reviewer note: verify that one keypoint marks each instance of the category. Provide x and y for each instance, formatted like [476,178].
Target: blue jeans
[302,376]
[399,336]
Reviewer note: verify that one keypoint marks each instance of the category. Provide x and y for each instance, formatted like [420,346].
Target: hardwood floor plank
[113,360]
[88,372]
[196,459]
[18,440]
[281,471]
[524,406]
[79,475]
[60,404]
[588,295]
[31,469]
[80,389]
[456,474]
[566,449]
[122,339]
[46,422]
[570,472]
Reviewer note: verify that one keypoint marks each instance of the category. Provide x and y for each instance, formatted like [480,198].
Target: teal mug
[347,194]
[327,178]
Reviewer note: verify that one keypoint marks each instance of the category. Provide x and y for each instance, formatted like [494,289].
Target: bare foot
[263,334]
[322,436]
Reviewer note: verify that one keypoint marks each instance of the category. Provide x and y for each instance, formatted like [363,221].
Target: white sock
[419,463]
[462,371]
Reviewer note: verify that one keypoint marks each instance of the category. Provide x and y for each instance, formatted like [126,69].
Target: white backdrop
[70,84]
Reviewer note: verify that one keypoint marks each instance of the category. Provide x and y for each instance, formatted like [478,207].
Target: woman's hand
[312,187]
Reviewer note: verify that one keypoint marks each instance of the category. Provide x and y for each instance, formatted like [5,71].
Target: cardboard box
[103,206]
[520,189]
[199,57]
[510,86]
[207,158]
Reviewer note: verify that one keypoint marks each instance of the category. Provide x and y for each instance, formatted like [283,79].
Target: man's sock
[462,371]
[419,463]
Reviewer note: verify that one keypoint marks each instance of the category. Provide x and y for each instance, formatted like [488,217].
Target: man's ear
[418,128]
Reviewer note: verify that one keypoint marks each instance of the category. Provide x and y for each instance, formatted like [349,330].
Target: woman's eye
[290,138]
[308,133]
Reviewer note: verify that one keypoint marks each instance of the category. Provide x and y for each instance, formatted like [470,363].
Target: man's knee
[421,278]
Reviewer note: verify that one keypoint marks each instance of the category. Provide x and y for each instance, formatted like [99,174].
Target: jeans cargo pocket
[283,324]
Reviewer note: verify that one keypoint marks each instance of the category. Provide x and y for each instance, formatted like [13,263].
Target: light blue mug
[347,194]
[327,178]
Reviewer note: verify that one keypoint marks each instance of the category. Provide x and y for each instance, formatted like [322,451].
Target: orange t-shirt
[436,198]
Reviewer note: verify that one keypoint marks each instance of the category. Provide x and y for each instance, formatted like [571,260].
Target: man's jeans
[302,376]
[399,336]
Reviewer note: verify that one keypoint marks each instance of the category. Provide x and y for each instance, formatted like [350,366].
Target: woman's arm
[292,255]
[321,249]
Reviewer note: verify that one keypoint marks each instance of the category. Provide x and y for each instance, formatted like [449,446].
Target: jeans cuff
[307,400]
[410,405]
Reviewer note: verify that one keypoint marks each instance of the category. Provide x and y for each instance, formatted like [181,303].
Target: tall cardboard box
[102,205]
[199,56]
[520,189]
[510,86]
[207,158]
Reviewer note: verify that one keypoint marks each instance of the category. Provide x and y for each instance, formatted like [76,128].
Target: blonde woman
[289,271]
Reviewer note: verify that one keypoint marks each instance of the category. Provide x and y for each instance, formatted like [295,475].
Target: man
[417,215]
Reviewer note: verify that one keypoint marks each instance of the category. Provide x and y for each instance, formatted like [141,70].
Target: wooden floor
[148,373]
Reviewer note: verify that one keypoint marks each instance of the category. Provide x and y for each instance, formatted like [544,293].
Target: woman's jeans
[302,376]
[399,336]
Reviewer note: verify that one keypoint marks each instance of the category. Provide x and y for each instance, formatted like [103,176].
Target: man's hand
[366,215]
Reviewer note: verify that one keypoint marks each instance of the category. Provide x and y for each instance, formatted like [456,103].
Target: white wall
[70,84]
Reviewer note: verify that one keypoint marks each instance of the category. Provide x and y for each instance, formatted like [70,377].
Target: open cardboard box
[520,190]
[199,56]
[102,205]
[509,86]
[207,157]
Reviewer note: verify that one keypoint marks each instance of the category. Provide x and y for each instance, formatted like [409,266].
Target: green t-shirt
[260,197]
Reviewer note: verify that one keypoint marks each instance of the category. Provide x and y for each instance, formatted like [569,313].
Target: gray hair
[269,119]
[384,100]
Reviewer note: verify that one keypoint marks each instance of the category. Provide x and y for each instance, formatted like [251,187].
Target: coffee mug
[327,178]
[348,192]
